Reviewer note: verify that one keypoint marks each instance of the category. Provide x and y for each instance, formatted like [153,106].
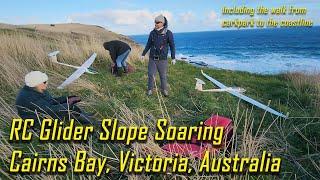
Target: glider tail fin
[53,59]
[53,56]
[199,84]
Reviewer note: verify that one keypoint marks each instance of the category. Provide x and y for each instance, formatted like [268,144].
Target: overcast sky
[136,16]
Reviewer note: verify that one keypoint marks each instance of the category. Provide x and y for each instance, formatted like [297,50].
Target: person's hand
[73,99]
[71,96]
[173,61]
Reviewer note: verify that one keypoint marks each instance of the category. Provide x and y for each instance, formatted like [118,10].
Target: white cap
[34,78]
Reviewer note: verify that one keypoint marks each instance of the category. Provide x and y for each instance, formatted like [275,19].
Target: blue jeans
[121,60]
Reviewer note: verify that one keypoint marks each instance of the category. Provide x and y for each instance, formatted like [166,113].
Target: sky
[132,17]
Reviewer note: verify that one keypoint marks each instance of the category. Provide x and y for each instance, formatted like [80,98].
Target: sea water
[264,51]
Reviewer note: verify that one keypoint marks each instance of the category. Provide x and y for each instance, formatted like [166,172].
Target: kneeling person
[34,101]
[119,52]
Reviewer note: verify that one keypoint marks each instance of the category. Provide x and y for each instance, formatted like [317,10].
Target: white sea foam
[269,63]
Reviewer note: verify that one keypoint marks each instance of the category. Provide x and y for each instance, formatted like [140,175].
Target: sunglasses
[158,22]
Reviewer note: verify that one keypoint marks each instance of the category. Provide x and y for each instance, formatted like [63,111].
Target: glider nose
[91,71]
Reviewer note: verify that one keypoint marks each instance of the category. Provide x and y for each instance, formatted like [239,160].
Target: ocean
[263,51]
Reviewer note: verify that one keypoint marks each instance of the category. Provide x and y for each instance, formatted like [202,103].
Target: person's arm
[172,45]
[55,100]
[146,49]
[113,54]
[59,100]
[53,110]
[62,99]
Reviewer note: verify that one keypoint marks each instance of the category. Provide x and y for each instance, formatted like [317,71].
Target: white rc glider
[84,68]
[234,91]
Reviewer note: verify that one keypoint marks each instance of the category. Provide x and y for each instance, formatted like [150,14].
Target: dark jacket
[31,103]
[159,42]
[116,48]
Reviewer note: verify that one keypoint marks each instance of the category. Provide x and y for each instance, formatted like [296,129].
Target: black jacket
[116,48]
[159,42]
[31,103]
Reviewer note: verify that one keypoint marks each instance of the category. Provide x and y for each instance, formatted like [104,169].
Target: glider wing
[245,98]
[83,68]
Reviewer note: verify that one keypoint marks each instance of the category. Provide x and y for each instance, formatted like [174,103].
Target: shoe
[165,93]
[84,119]
[149,93]
[119,71]
[125,69]
[89,114]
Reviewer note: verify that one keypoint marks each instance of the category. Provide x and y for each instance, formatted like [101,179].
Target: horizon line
[218,30]
[241,29]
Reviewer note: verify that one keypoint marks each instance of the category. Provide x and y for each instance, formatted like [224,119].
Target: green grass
[131,90]
[186,106]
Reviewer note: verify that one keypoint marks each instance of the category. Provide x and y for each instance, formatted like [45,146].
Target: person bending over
[119,52]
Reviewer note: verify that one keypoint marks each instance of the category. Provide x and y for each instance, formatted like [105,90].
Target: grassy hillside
[296,140]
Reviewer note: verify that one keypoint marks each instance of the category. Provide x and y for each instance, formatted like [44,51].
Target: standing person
[119,52]
[34,101]
[159,40]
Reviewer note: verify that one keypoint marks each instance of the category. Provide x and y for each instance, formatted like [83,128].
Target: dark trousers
[77,114]
[162,67]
